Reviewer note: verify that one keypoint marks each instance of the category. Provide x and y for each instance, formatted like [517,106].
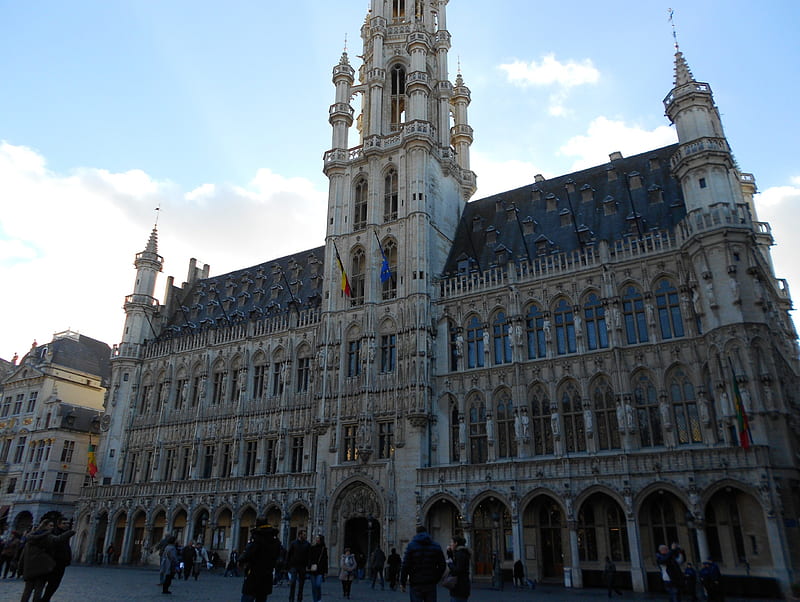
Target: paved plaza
[96,584]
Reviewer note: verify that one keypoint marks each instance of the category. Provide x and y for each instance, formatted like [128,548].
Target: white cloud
[68,241]
[499,176]
[605,136]
[550,71]
[780,206]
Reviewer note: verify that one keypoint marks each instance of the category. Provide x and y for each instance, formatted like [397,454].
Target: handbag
[448,579]
[313,568]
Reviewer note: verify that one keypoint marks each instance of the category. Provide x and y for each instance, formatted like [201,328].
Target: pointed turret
[141,305]
[703,163]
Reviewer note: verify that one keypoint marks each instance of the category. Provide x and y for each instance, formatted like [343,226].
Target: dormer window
[566,217]
[655,194]
[609,205]
[612,174]
[587,193]
[491,235]
[635,180]
[552,202]
[529,225]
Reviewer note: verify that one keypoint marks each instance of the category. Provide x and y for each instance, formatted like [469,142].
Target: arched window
[259,376]
[478,445]
[360,194]
[540,418]
[389,284]
[236,374]
[633,314]
[397,98]
[647,412]
[358,265]
[390,196]
[500,339]
[587,533]
[596,330]
[219,379]
[506,439]
[684,403]
[455,442]
[607,427]
[398,9]
[474,343]
[565,328]
[669,310]
[534,328]
[617,525]
[303,372]
[572,415]
[662,521]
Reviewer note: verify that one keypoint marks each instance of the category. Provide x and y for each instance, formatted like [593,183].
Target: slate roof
[78,418]
[264,290]
[74,351]
[625,197]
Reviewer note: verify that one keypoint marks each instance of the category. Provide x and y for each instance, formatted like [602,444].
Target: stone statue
[736,293]
[517,425]
[725,403]
[555,424]
[620,411]
[547,334]
[709,286]
[588,421]
[663,408]
[630,417]
[459,345]
[462,430]
[746,401]
[698,308]
[487,343]
[703,409]
[525,424]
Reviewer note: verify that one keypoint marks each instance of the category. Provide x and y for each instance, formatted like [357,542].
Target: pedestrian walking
[690,582]
[10,553]
[519,574]
[110,554]
[376,566]
[297,563]
[169,563]
[317,567]
[393,568]
[668,559]
[37,559]
[459,568]
[62,554]
[187,555]
[200,560]
[610,577]
[258,560]
[347,572]
[233,564]
[422,568]
[711,578]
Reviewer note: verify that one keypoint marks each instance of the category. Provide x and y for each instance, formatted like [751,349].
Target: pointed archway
[356,521]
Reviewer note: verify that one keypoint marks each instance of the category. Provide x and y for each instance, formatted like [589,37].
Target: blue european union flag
[386,273]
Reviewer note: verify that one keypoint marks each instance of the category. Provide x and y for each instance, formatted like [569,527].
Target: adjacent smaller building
[50,410]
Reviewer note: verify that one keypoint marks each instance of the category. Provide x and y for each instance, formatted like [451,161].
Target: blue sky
[218,112]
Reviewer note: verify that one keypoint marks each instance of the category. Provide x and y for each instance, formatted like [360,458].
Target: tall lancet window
[398,98]
[360,194]
[389,286]
[357,273]
[390,196]
[398,9]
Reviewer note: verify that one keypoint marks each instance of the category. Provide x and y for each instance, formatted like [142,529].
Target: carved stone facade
[560,372]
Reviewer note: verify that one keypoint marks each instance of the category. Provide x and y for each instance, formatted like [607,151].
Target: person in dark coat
[609,576]
[62,554]
[376,566]
[259,559]
[9,554]
[297,563]
[393,568]
[519,574]
[169,561]
[37,559]
[711,578]
[317,567]
[187,555]
[423,566]
[233,564]
[668,559]
[459,568]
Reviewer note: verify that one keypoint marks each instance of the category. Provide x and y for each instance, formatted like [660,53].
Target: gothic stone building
[560,372]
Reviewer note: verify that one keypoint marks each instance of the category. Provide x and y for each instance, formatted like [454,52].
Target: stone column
[236,525]
[638,573]
[125,552]
[574,552]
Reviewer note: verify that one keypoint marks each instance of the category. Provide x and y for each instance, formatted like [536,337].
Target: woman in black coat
[460,569]
[259,559]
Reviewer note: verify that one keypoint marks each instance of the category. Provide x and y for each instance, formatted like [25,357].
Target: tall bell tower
[400,177]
